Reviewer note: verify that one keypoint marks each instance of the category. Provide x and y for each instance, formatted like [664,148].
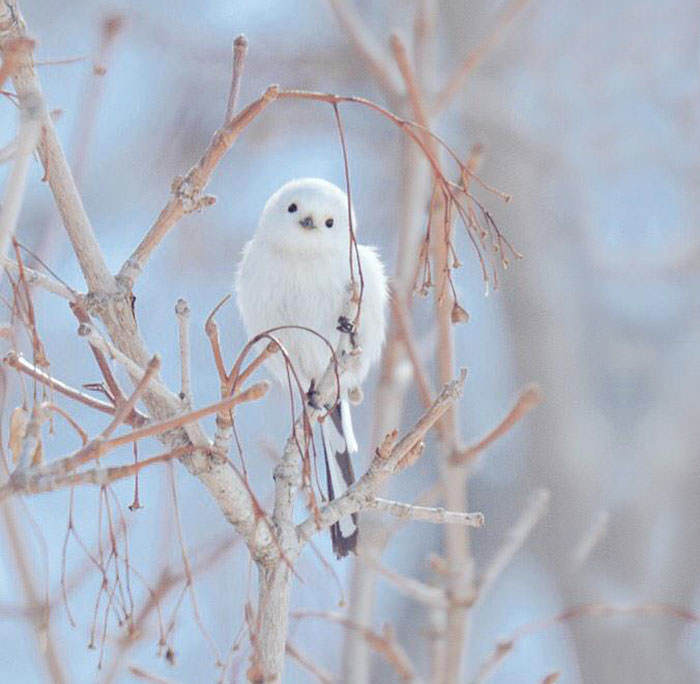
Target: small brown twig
[115,391]
[127,406]
[186,192]
[529,397]
[16,361]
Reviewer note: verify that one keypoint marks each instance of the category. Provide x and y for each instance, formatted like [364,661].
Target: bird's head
[307,214]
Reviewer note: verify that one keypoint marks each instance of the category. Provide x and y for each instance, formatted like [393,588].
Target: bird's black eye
[292,208]
[329,223]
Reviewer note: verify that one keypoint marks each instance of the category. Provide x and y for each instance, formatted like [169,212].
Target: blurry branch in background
[514,541]
[451,638]
[368,47]
[83,135]
[308,664]
[529,397]
[384,643]
[459,77]
[38,609]
[29,130]
[590,539]
[645,610]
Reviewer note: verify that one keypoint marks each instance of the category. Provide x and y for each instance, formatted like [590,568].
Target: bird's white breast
[278,287]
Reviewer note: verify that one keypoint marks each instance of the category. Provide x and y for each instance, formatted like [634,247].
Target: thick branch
[56,167]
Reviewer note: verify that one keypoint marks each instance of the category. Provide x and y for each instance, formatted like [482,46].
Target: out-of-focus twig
[476,56]
[506,646]
[529,397]
[535,509]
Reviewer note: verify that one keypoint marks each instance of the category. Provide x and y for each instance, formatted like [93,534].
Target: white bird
[295,272]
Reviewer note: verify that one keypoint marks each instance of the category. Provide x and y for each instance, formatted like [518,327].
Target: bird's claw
[312,396]
[345,325]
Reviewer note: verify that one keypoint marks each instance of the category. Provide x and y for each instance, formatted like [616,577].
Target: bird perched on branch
[295,272]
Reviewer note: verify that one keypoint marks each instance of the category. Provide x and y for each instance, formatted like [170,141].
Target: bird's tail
[338,443]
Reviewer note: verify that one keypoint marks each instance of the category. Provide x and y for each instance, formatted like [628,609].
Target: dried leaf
[459,314]
[38,456]
[18,429]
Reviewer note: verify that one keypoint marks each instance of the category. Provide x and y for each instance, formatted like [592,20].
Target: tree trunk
[274,584]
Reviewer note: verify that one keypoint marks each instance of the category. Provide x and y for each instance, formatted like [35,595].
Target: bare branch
[187,191]
[40,279]
[386,462]
[16,361]
[240,50]
[409,78]
[529,397]
[438,516]
[535,509]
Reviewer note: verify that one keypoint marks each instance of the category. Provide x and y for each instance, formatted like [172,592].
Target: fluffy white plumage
[295,271]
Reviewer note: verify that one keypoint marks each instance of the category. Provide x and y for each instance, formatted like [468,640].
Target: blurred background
[589,114]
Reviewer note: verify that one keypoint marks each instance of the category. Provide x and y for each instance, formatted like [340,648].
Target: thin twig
[16,361]
[182,311]
[385,643]
[367,47]
[529,397]
[240,50]
[476,56]
[126,407]
[534,510]
[438,516]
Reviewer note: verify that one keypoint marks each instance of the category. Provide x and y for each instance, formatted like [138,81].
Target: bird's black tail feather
[339,476]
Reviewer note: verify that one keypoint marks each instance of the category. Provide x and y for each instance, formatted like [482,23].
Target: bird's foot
[312,396]
[345,325]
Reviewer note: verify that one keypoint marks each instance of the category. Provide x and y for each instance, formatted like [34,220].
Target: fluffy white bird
[295,271]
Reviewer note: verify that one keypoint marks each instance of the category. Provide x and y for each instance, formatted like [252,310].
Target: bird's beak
[307,222]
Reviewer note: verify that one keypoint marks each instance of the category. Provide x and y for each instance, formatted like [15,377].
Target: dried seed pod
[459,314]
